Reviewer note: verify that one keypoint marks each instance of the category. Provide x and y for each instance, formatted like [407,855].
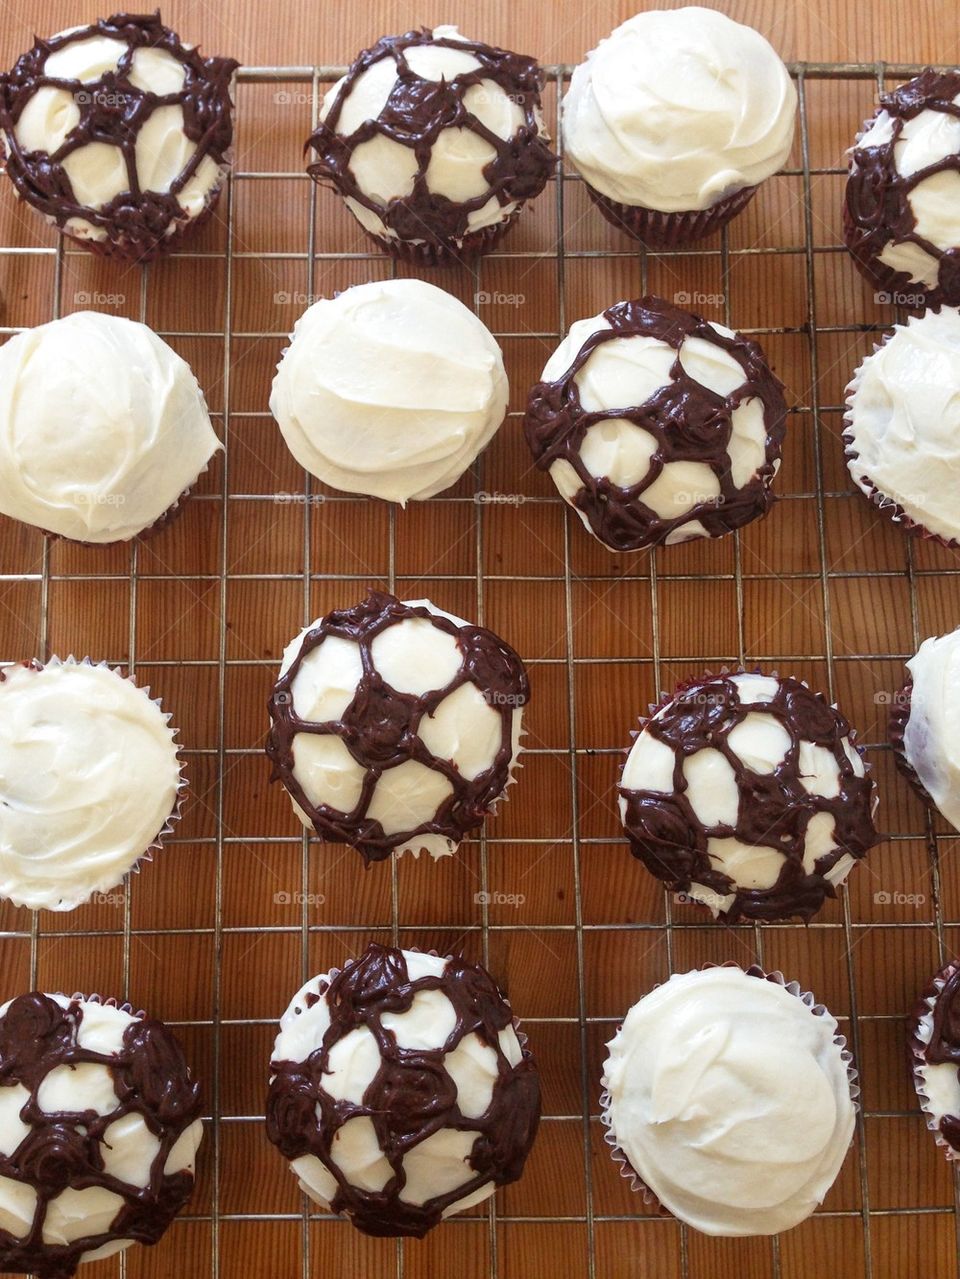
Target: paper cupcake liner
[423,253]
[176,812]
[916,1053]
[626,1169]
[670,230]
[888,505]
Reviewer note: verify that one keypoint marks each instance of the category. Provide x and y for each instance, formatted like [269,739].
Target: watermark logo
[286,297]
[99,499]
[697,298]
[884,697]
[499,899]
[86,298]
[298,499]
[886,298]
[294,98]
[496,697]
[297,898]
[703,897]
[896,898]
[108,899]
[484,498]
[497,298]
[104,98]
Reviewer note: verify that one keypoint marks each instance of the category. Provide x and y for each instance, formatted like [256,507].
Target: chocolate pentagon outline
[112,109]
[151,1079]
[411,1095]
[379,727]
[876,206]
[689,422]
[774,809]
[415,113]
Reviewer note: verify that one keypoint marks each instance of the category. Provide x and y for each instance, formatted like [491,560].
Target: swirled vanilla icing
[931,738]
[676,110]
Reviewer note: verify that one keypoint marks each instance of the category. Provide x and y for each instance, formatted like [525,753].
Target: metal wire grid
[212,1150]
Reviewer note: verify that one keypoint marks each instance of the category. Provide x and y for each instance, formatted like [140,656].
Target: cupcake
[935,1057]
[674,119]
[104,428]
[401,1092]
[395,726]
[902,426]
[391,389]
[119,134]
[746,792]
[89,781]
[730,1099]
[99,1128]
[435,143]
[657,426]
[923,724]
[901,211]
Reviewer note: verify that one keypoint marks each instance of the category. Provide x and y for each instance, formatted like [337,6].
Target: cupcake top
[657,426]
[117,131]
[935,1045]
[746,792]
[395,726]
[931,735]
[102,427]
[431,136]
[677,109]
[903,191]
[401,1092]
[99,1127]
[730,1098]
[89,777]
[902,431]
[390,388]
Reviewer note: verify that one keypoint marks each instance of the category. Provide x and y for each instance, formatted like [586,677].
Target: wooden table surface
[218,932]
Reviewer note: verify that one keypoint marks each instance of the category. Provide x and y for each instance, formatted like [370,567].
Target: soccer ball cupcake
[104,428]
[89,781]
[118,133]
[99,1129]
[935,1056]
[674,119]
[730,1100]
[902,426]
[657,426]
[391,388]
[901,212]
[396,726]
[923,722]
[435,143]
[746,792]
[401,1091]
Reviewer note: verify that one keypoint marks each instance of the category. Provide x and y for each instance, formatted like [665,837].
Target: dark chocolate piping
[943,1045]
[415,113]
[689,422]
[876,202]
[113,110]
[151,1079]
[379,727]
[411,1095]
[774,811]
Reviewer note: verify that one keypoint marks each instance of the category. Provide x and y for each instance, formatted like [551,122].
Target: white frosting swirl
[89,777]
[677,109]
[903,421]
[390,388]
[731,1100]
[931,739]
[102,427]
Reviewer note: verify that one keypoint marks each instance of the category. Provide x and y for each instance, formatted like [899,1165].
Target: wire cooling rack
[255,893]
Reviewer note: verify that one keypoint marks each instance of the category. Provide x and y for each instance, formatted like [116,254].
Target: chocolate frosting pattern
[689,422]
[112,109]
[876,208]
[416,112]
[411,1095]
[151,1079]
[380,725]
[774,809]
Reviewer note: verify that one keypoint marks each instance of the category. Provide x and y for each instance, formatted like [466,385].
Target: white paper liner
[625,1168]
[916,1049]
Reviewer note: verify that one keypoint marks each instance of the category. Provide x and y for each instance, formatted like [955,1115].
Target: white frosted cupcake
[902,425]
[391,389]
[935,1056]
[395,726]
[103,428]
[730,1100]
[674,119]
[89,781]
[99,1129]
[401,1090]
[925,724]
